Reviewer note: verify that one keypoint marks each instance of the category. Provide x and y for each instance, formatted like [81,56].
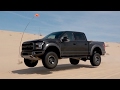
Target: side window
[51,37]
[79,36]
[69,35]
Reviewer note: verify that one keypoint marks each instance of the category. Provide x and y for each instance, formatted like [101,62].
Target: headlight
[39,45]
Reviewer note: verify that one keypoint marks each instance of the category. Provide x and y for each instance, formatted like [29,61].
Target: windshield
[54,35]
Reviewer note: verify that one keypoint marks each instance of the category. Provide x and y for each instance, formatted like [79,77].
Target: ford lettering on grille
[27,46]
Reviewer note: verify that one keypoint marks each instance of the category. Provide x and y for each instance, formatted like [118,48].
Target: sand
[10,69]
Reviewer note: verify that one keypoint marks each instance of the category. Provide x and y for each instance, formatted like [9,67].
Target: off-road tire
[74,61]
[50,60]
[95,59]
[30,63]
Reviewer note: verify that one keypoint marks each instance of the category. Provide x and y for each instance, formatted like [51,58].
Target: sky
[97,25]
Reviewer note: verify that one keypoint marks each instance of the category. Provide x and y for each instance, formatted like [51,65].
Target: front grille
[28,46]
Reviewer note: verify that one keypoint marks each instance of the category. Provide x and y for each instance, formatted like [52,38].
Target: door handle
[85,43]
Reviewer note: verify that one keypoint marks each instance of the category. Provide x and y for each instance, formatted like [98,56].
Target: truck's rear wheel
[30,63]
[74,61]
[50,60]
[95,59]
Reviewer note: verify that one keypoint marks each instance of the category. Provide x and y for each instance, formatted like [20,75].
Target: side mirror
[65,39]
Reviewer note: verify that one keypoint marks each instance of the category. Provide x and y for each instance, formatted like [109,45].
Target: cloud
[93,23]
[22,16]
[18,15]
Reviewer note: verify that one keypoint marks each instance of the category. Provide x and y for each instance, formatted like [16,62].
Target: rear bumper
[103,53]
[34,55]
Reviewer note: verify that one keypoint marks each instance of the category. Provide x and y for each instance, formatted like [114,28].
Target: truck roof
[68,31]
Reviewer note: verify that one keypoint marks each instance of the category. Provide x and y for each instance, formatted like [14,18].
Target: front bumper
[34,55]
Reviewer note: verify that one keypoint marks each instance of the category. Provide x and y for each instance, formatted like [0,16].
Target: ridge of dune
[9,68]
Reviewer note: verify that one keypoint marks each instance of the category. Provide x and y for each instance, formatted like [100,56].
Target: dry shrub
[107,54]
[107,45]
[10,35]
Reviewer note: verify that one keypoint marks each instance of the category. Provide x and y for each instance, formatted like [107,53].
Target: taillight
[104,45]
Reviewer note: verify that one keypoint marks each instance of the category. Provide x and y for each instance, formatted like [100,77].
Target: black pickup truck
[62,44]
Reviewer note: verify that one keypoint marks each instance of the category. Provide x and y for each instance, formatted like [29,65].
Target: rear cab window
[79,36]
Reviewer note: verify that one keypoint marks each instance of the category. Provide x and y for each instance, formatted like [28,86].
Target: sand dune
[10,69]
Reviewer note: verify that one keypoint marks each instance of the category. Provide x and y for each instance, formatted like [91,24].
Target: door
[68,47]
[81,43]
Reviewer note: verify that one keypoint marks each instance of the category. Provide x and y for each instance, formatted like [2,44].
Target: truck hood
[35,40]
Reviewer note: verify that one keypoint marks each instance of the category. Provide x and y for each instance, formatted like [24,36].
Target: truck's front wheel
[95,59]
[30,63]
[74,61]
[50,60]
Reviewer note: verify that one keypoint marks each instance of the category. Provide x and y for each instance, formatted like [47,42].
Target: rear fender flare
[93,47]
